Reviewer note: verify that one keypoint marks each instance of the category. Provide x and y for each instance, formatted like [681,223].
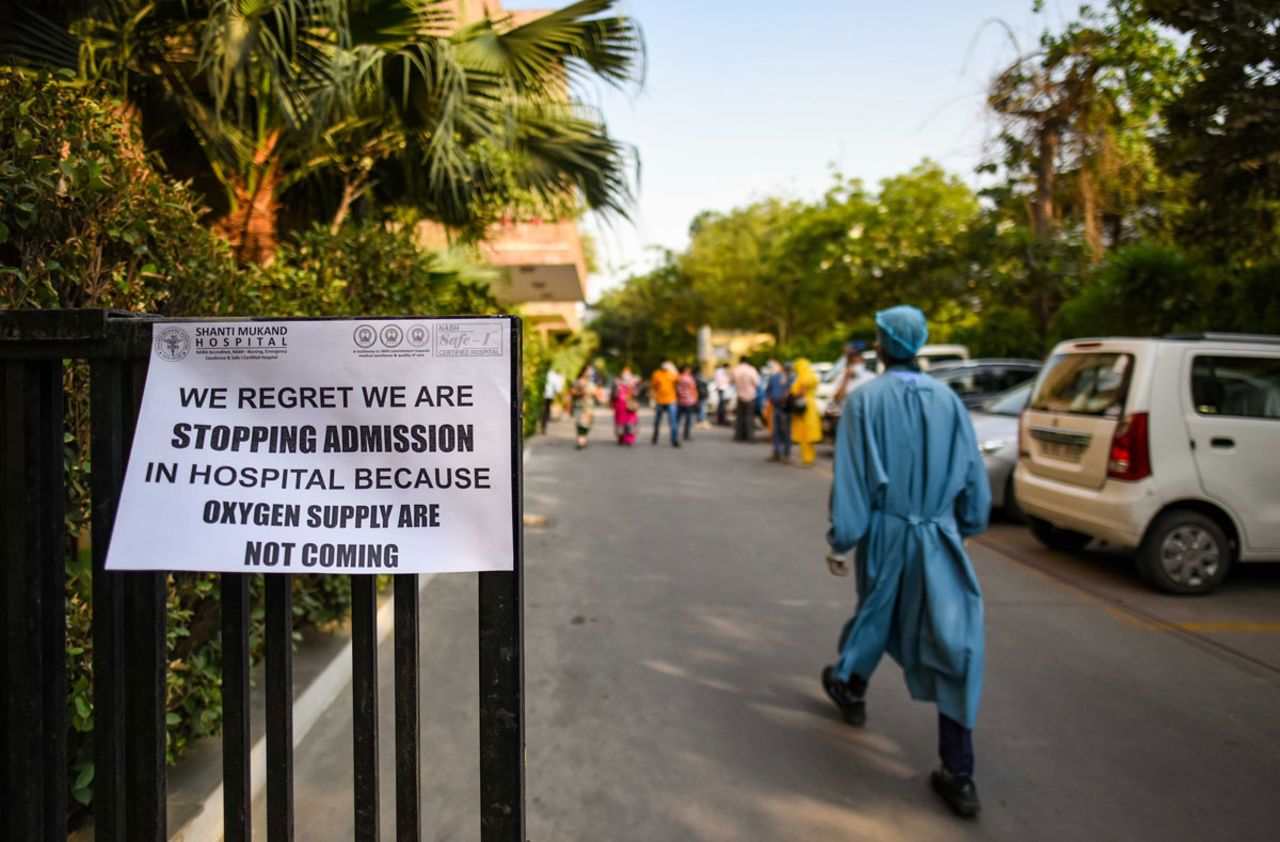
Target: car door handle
[1222,443]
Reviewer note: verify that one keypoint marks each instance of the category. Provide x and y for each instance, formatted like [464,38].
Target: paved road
[679,613]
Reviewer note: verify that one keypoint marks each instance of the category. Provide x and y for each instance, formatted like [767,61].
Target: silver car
[996,426]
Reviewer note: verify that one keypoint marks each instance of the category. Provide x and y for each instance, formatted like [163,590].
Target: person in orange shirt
[663,386]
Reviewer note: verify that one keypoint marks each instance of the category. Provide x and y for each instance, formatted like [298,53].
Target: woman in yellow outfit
[806,427]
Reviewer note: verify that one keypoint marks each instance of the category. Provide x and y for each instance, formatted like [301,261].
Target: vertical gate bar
[236,794]
[49,521]
[144,696]
[279,709]
[364,691]
[145,665]
[408,719]
[501,609]
[32,569]
[107,448]
[23,795]
[501,710]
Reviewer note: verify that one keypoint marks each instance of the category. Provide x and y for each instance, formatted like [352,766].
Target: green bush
[366,268]
[566,356]
[1147,289]
[85,221]
[1247,299]
[1001,332]
[537,362]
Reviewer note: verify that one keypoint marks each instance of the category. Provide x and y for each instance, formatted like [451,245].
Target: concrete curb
[206,824]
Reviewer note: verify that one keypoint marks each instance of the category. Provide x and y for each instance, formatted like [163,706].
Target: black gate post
[145,667]
[501,605]
[32,582]
[108,418]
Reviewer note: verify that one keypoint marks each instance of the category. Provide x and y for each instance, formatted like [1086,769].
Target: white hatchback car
[929,356]
[1170,446]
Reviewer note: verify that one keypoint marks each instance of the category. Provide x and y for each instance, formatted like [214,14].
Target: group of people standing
[783,397]
[679,396]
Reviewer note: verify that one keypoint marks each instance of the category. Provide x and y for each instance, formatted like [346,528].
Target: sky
[747,99]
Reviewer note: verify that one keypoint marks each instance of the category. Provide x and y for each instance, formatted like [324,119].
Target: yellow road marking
[1244,627]
[1118,613]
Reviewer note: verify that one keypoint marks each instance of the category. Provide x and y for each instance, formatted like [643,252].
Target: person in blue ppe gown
[909,487]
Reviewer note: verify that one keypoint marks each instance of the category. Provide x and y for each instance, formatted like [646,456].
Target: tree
[911,246]
[737,265]
[1223,125]
[1079,116]
[649,318]
[276,92]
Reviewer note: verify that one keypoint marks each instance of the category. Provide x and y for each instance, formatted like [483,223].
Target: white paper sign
[361,446]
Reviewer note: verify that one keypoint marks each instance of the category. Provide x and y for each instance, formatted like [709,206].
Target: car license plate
[1058,450]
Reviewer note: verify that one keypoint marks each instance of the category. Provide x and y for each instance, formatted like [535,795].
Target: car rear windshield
[1085,384]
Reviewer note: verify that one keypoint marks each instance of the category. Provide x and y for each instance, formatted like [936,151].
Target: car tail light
[1130,454]
[1022,418]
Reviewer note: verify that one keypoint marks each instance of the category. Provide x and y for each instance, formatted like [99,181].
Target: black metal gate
[129,658]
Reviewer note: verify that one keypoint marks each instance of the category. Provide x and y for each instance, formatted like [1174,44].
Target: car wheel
[1011,510]
[1057,539]
[1184,552]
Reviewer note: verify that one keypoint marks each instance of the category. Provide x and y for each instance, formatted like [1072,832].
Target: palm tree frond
[547,51]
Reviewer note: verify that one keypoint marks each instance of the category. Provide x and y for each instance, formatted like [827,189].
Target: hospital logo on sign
[365,336]
[172,344]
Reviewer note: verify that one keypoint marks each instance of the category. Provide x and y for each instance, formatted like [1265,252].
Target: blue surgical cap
[903,330]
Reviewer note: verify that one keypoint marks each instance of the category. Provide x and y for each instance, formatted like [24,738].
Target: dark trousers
[955,742]
[781,432]
[955,746]
[687,414]
[746,419]
[722,409]
[546,412]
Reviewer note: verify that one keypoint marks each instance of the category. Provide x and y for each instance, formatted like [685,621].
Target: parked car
[930,356]
[978,381]
[713,400]
[828,382]
[1168,446]
[996,426]
[975,381]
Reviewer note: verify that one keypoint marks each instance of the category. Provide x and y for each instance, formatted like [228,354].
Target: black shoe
[852,707]
[675,444]
[959,791]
